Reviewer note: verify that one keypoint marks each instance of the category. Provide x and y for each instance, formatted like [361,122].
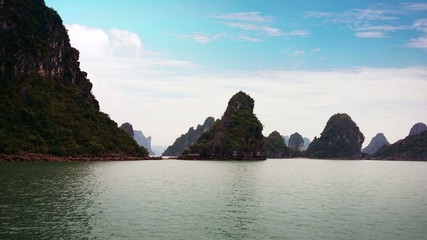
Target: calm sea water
[273,199]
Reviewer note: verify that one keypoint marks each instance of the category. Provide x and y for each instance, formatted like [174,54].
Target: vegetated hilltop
[46,103]
[236,136]
[275,147]
[189,139]
[341,139]
[413,147]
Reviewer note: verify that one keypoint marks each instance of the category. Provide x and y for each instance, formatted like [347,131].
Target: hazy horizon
[165,66]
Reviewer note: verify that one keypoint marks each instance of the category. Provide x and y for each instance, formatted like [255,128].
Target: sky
[165,66]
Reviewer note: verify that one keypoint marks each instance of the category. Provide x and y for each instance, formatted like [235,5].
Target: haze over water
[273,199]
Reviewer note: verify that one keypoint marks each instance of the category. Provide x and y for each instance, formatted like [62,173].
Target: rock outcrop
[46,102]
[306,143]
[418,128]
[236,136]
[143,141]
[275,147]
[127,128]
[376,144]
[188,139]
[296,142]
[412,148]
[341,139]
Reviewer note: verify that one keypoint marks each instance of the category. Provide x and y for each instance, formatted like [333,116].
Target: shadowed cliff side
[46,102]
[341,139]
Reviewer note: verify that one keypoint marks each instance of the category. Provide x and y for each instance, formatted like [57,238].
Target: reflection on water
[38,201]
[273,199]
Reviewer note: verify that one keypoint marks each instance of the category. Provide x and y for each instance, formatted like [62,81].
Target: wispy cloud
[414,6]
[270,31]
[249,39]
[204,37]
[297,33]
[370,34]
[420,42]
[245,16]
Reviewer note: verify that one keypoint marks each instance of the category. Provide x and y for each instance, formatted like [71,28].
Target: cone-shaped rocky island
[46,103]
[236,136]
[341,139]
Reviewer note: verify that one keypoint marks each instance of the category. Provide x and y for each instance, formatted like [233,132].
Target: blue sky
[299,59]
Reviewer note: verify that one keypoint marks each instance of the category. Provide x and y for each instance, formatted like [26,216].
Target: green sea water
[273,199]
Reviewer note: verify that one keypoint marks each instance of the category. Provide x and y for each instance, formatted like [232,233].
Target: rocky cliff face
[238,135]
[418,128]
[188,139]
[35,43]
[275,147]
[127,128]
[376,143]
[296,142]
[341,139]
[143,141]
[46,102]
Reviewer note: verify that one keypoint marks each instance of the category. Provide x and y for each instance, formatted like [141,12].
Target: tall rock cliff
[376,144]
[341,139]
[189,139]
[143,141]
[237,135]
[46,103]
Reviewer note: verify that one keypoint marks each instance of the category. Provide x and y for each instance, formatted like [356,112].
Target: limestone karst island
[48,111]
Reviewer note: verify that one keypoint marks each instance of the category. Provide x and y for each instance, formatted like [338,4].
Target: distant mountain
[376,143]
[413,147]
[341,139]
[158,150]
[236,136]
[46,101]
[418,128]
[143,141]
[188,139]
[296,142]
[275,147]
[306,143]
[286,139]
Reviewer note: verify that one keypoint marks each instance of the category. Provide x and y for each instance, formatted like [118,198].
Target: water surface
[273,199]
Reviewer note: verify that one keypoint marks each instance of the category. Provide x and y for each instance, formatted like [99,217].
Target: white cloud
[204,37]
[245,16]
[420,42]
[270,31]
[370,34]
[420,25]
[249,39]
[297,33]
[164,97]
[415,6]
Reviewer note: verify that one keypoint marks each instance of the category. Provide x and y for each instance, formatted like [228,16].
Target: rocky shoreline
[37,157]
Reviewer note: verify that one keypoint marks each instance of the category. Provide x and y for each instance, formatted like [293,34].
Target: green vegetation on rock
[341,139]
[238,135]
[46,104]
[275,146]
[413,147]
